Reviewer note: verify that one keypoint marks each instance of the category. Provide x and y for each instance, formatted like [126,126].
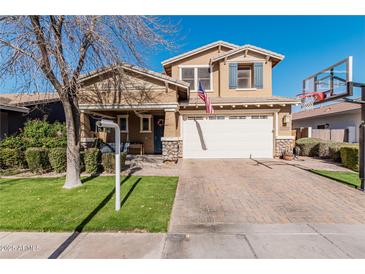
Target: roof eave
[276,56]
[14,108]
[197,50]
[242,103]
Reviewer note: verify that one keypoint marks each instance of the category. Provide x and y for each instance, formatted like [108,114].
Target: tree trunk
[73,144]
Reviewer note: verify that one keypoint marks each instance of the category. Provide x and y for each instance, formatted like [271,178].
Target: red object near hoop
[309,98]
[318,96]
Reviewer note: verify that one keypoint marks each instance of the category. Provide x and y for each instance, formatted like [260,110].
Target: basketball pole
[361,131]
[362,140]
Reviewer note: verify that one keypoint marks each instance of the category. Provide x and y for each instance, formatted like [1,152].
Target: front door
[158,126]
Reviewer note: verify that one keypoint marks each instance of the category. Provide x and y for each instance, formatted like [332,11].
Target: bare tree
[53,51]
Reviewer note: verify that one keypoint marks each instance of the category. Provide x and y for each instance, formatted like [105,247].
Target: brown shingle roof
[325,110]
[26,99]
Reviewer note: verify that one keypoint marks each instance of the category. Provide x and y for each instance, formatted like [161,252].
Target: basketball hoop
[308,99]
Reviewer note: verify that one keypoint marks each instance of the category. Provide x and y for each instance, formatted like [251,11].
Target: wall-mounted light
[286,120]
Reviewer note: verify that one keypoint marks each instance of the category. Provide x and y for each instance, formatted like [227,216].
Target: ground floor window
[123,123]
[145,123]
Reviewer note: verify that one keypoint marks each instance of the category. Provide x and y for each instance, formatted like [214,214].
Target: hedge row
[12,158]
[37,159]
[41,160]
[350,157]
[345,153]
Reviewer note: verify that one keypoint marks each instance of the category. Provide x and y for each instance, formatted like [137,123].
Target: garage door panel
[238,138]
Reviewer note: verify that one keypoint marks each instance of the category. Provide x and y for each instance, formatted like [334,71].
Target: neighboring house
[163,112]
[335,116]
[16,109]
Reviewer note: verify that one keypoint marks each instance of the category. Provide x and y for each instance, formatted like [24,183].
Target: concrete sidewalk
[218,241]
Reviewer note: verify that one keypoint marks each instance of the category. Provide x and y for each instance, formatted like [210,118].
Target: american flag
[204,96]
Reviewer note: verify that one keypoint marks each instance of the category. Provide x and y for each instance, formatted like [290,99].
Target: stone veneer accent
[283,142]
[171,148]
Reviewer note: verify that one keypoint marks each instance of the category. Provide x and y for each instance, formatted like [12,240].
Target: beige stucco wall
[221,72]
[201,59]
[284,130]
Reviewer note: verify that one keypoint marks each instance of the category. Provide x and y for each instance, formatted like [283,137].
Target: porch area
[142,132]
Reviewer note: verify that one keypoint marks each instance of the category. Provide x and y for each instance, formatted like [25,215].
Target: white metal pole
[117,168]
[111,124]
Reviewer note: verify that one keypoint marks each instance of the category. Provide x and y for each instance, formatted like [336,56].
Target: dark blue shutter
[232,75]
[258,75]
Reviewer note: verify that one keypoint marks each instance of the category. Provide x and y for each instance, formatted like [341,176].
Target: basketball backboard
[331,83]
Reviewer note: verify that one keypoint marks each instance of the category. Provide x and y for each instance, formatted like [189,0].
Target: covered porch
[144,130]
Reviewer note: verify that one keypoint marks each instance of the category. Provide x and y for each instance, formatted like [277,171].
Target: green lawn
[347,177]
[42,204]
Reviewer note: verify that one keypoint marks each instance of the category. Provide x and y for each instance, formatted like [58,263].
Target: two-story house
[163,112]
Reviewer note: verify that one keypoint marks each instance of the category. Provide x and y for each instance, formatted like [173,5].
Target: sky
[309,43]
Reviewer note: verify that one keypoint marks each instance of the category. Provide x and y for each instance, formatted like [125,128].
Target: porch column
[85,125]
[170,123]
[85,128]
[171,144]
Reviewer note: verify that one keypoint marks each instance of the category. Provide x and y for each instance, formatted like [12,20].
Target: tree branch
[57,33]
[45,63]
[7,43]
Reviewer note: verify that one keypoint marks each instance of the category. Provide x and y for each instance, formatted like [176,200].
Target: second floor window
[244,76]
[194,75]
[204,77]
[188,75]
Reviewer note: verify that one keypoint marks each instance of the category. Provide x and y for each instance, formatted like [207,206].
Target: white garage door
[228,136]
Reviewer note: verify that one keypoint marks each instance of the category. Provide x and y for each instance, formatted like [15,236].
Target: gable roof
[326,110]
[197,50]
[136,69]
[27,99]
[251,48]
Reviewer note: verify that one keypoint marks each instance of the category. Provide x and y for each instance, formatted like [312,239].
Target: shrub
[92,160]
[40,133]
[57,158]
[330,150]
[37,159]
[36,129]
[11,158]
[334,151]
[54,142]
[13,142]
[108,161]
[350,157]
[309,146]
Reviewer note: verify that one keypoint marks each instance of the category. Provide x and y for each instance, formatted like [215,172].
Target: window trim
[196,83]
[126,116]
[149,117]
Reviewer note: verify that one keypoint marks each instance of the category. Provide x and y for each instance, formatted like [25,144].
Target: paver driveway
[232,192]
